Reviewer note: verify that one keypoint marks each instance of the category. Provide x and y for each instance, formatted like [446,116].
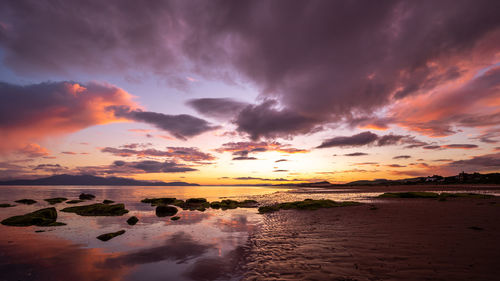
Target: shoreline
[402,239]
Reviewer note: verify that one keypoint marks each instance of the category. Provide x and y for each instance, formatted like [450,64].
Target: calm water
[200,246]
[208,245]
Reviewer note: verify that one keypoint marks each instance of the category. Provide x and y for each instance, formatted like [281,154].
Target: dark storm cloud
[180,126]
[265,120]
[324,61]
[221,108]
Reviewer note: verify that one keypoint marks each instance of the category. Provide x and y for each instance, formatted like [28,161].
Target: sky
[249,92]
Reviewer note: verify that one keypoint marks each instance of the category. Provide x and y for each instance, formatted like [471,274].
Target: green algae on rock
[233,204]
[192,204]
[98,209]
[86,196]
[159,201]
[26,201]
[42,217]
[6,205]
[175,218]
[165,211]
[132,220]
[53,201]
[109,236]
[307,204]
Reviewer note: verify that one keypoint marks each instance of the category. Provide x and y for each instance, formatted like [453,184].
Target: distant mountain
[92,180]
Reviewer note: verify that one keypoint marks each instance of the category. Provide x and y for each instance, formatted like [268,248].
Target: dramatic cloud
[334,61]
[474,104]
[356,154]
[180,126]
[265,120]
[281,160]
[220,108]
[33,150]
[190,154]
[368,138]
[36,111]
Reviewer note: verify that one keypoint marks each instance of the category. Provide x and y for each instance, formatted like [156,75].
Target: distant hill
[92,180]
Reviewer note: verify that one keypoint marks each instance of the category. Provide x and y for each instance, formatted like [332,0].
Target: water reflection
[199,246]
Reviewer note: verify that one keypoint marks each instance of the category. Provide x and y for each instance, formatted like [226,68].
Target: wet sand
[404,239]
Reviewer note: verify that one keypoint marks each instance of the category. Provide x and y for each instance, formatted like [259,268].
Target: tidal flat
[376,238]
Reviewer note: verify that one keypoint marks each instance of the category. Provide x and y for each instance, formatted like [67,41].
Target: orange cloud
[37,111]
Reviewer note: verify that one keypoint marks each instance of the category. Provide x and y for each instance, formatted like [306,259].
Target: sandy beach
[399,239]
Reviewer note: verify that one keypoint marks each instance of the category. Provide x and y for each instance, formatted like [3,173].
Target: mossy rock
[196,201]
[159,201]
[175,218]
[165,211]
[98,209]
[132,220]
[42,217]
[307,204]
[233,204]
[6,205]
[109,236]
[26,201]
[74,201]
[53,201]
[106,201]
[86,196]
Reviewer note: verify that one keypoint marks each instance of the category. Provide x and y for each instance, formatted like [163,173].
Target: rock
[98,209]
[6,205]
[42,217]
[26,201]
[55,200]
[106,201]
[175,218]
[196,200]
[74,201]
[132,220]
[109,236]
[159,201]
[85,196]
[192,204]
[164,211]
[232,204]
